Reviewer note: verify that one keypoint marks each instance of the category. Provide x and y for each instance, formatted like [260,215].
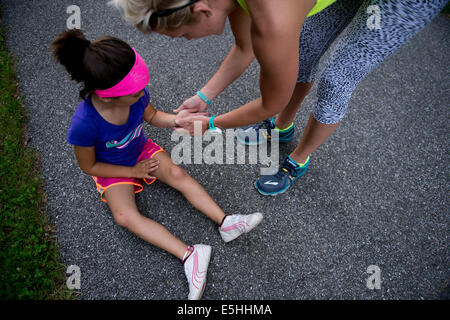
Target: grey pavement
[376,193]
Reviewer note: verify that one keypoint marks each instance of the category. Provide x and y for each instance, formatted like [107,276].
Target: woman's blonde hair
[139,12]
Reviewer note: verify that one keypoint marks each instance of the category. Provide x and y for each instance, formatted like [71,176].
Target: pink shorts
[149,150]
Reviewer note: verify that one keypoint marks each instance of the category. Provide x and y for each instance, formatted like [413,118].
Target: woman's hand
[143,168]
[188,123]
[183,114]
[193,104]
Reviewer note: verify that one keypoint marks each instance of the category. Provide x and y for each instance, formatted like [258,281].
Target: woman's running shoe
[264,131]
[288,172]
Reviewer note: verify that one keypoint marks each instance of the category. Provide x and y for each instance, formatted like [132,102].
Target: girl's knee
[177,173]
[125,217]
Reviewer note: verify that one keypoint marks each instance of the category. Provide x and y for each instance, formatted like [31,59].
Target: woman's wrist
[211,123]
[204,97]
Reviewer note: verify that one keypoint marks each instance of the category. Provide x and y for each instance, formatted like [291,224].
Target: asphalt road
[376,192]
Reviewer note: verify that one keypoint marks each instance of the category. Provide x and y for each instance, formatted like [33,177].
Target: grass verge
[30,266]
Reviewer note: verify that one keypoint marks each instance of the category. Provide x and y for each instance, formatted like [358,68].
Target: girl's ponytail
[69,49]
[97,65]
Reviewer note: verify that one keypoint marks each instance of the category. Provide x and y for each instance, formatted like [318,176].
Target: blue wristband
[204,98]
[211,123]
[211,127]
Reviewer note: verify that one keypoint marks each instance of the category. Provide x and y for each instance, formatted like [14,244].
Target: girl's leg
[174,176]
[231,227]
[121,201]
[360,51]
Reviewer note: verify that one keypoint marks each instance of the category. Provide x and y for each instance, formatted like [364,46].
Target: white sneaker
[195,268]
[235,225]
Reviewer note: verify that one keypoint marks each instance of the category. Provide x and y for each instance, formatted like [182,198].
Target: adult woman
[270,31]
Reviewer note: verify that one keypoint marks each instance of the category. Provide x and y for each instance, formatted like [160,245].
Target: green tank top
[320,5]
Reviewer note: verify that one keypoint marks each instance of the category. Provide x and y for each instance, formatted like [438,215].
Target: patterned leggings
[361,47]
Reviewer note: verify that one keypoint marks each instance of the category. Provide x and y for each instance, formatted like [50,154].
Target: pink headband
[135,81]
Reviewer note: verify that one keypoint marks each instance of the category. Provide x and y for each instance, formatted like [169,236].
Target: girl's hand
[187,123]
[193,104]
[143,168]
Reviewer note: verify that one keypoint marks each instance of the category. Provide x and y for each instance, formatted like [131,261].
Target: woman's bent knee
[333,99]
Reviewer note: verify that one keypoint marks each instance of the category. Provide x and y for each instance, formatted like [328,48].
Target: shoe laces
[266,124]
[286,169]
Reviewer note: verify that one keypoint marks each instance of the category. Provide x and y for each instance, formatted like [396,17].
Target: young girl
[109,143]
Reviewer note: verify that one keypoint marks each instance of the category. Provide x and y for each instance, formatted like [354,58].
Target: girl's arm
[164,120]
[89,165]
[158,118]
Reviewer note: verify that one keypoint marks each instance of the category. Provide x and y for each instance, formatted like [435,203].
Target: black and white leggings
[371,31]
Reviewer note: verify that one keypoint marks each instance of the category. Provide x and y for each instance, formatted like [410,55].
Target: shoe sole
[270,194]
[278,192]
[254,226]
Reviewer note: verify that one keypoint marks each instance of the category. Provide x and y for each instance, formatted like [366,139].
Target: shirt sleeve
[145,99]
[80,133]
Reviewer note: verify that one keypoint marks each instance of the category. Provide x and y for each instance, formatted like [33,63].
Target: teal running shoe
[288,172]
[262,132]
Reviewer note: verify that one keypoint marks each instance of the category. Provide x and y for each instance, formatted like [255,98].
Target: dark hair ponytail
[98,65]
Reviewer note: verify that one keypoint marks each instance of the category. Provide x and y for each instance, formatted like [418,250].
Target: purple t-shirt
[118,145]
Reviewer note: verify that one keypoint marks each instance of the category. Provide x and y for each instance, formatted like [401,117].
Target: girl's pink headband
[135,81]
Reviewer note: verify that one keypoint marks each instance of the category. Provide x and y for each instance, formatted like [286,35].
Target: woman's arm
[275,37]
[236,62]
[275,34]
[89,165]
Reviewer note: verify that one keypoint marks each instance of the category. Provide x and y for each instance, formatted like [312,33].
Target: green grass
[30,266]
